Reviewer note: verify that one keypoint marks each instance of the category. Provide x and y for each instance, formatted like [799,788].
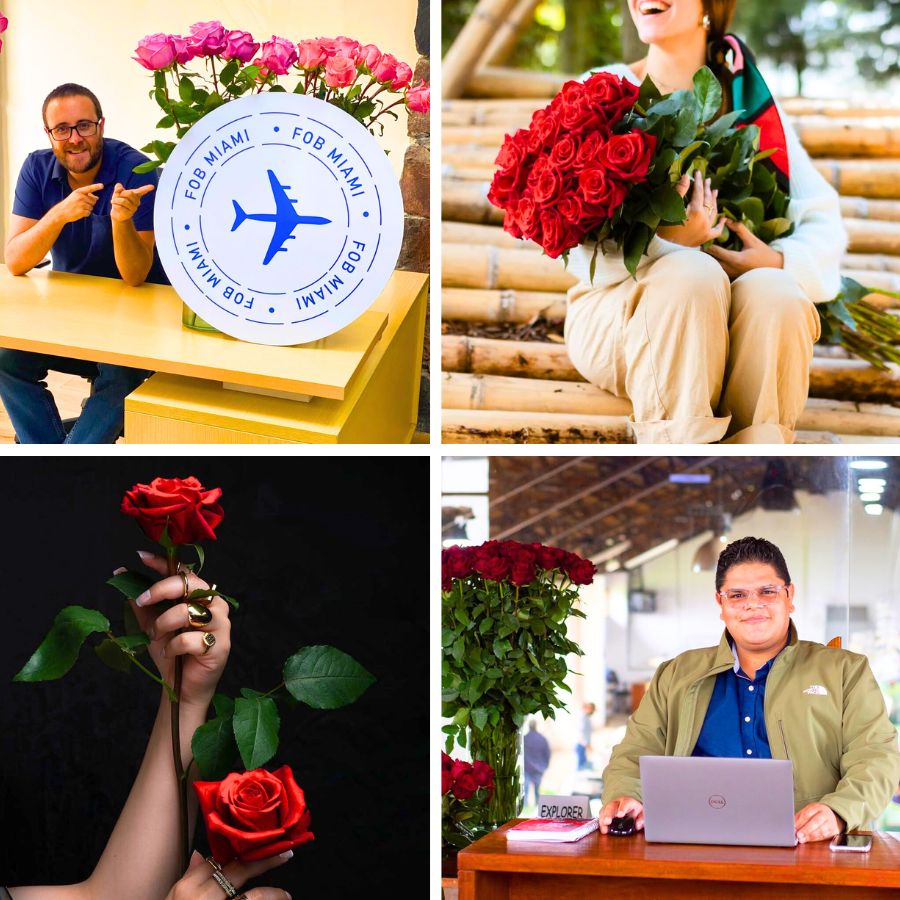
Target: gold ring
[184,581]
[212,861]
[223,882]
[209,641]
[198,615]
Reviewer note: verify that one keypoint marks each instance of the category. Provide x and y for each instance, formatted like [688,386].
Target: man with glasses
[764,694]
[80,201]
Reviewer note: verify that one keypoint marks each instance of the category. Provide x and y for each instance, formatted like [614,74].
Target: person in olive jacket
[762,694]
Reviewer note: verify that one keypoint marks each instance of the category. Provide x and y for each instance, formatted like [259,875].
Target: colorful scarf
[750,93]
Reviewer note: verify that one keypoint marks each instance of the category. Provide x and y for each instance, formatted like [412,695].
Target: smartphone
[855,843]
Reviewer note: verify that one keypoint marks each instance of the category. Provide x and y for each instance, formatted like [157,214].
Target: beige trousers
[701,359]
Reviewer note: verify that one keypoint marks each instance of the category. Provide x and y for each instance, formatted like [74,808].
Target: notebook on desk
[713,800]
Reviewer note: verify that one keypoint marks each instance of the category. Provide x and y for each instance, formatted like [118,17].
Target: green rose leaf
[214,747]
[256,726]
[59,649]
[229,70]
[708,92]
[186,89]
[668,204]
[111,654]
[147,166]
[325,678]
[131,584]
[223,705]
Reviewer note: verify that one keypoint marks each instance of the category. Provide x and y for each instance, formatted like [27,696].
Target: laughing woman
[710,345]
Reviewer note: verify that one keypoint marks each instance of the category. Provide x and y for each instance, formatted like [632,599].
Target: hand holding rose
[700,226]
[198,883]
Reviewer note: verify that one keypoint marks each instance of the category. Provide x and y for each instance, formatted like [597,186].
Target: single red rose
[255,815]
[465,785]
[527,216]
[522,572]
[547,187]
[628,156]
[590,148]
[571,208]
[558,237]
[538,169]
[602,194]
[580,571]
[579,114]
[493,568]
[551,557]
[564,151]
[610,96]
[183,505]
[504,189]
[513,151]
[543,131]
[484,774]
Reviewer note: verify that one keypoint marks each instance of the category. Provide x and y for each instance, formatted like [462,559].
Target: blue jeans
[33,412]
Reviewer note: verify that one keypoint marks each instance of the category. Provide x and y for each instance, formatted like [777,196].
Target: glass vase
[501,749]
[190,319]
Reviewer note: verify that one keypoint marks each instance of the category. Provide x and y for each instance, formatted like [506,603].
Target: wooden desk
[364,379]
[630,868]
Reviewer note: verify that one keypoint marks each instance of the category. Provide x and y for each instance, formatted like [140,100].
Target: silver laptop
[713,800]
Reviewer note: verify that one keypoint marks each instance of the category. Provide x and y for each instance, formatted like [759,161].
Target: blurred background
[654,526]
[836,48]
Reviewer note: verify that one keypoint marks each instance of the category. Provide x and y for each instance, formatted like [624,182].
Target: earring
[705,22]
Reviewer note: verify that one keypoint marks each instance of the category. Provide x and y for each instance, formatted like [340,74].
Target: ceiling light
[611,553]
[868,465]
[613,565]
[652,553]
[871,484]
[874,509]
[871,497]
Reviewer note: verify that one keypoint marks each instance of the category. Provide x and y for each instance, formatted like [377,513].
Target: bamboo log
[865,178]
[864,208]
[463,56]
[868,236]
[471,233]
[802,106]
[489,112]
[468,203]
[496,81]
[507,36]
[473,266]
[871,262]
[481,159]
[504,394]
[473,305]
[490,427]
[869,138]
[475,136]
[836,379]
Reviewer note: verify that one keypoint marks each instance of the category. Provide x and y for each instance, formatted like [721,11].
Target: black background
[318,551]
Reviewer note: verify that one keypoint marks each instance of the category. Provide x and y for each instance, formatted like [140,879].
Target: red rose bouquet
[602,161]
[465,790]
[504,635]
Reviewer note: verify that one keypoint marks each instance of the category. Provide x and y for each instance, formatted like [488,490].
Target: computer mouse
[622,826]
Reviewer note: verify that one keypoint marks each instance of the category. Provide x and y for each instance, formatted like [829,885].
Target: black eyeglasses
[86,128]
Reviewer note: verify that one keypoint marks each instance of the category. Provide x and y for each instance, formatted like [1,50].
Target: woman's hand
[757,254]
[202,670]
[702,214]
[198,883]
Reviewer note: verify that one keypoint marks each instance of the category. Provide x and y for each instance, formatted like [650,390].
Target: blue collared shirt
[735,723]
[86,246]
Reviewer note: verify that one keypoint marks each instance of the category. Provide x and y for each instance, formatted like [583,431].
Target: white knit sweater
[812,253]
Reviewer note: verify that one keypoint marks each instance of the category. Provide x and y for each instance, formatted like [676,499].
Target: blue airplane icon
[285,218]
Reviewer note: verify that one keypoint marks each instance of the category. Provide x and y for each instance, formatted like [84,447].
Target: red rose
[513,151]
[551,557]
[610,96]
[580,571]
[522,572]
[527,216]
[589,149]
[446,773]
[183,505]
[254,816]
[538,169]
[628,156]
[547,187]
[503,191]
[544,130]
[484,774]
[558,236]
[564,152]
[571,209]
[602,194]
[493,568]
[578,114]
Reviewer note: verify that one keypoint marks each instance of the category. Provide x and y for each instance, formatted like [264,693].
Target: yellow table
[364,380]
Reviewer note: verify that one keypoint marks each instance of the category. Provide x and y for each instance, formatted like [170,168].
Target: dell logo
[717,801]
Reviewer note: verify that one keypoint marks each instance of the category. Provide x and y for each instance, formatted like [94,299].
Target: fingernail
[286,855]
[144,555]
[141,599]
[120,570]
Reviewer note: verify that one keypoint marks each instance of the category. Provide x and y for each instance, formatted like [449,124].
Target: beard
[76,168]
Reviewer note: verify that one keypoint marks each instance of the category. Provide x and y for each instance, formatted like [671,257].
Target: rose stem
[172,563]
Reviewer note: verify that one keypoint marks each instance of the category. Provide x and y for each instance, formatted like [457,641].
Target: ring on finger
[209,641]
[208,598]
[198,615]
[222,881]
[184,581]
[214,863]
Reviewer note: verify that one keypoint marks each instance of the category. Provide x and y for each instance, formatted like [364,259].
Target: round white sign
[278,218]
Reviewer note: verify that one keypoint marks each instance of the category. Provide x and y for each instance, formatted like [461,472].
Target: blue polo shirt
[86,246]
[735,723]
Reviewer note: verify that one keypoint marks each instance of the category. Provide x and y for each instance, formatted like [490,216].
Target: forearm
[141,858]
[26,250]
[133,256]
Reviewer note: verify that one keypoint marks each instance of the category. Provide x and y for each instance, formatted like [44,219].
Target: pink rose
[402,77]
[368,55]
[278,55]
[263,71]
[155,51]
[310,54]
[418,97]
[207,38]
[4,22]
[239,45]
[185,51]
[340,71]
[346,47]
[386,68]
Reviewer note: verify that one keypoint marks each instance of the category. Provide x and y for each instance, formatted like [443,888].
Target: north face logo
[816,689]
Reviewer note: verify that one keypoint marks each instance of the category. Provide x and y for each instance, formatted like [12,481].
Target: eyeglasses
[765,596]
[86,128]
